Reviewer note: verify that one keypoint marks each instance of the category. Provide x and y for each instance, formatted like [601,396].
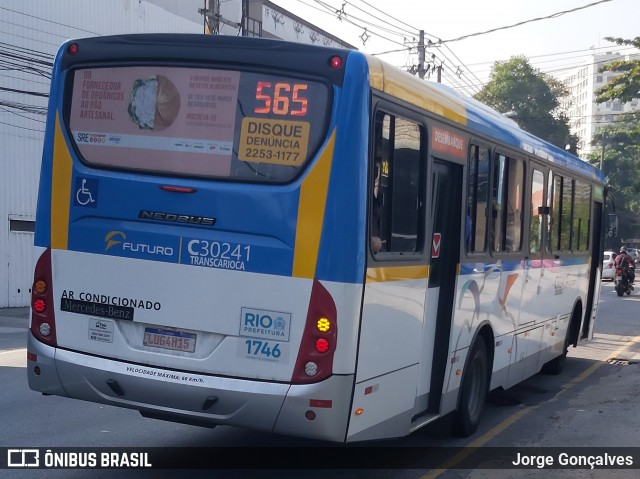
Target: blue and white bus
[297,239]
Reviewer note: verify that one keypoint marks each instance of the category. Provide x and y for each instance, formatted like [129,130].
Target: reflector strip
[370,389]
[324,403]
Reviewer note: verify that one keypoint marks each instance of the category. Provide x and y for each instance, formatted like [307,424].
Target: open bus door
[595,273]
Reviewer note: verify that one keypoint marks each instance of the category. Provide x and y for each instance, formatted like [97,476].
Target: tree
[626,86]
[532,98]
[620,158]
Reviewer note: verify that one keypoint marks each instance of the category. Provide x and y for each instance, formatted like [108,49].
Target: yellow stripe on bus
[311,207]
[397,273]
[421,93]
[60,190]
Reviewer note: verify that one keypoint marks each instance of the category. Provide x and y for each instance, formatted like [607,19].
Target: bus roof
[431,96]
[476,116]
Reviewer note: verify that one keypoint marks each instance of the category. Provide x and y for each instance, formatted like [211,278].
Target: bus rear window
[197,122]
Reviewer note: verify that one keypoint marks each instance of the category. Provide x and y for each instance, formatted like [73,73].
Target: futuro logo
[113,238]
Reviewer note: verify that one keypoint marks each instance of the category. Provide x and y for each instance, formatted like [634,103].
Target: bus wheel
[475,385]
[556,365]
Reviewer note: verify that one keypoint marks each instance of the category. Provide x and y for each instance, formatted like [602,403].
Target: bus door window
[396,186]
[477,199]
[380,198]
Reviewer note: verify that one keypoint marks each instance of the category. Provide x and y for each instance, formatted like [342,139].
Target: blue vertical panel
[342,249]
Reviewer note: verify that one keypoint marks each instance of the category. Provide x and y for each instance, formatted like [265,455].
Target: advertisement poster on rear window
[156,118]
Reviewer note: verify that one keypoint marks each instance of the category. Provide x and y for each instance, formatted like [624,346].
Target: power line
[26,92]
[609,48]
[23,116]
[559,68]
[347,18]
[46,84]
[18,49]
[387,19]
[554,15]
[550,71]
[413,29]
[21,127]
[458,63]
[49,21]
[402,30]
[26,27]
[375,28]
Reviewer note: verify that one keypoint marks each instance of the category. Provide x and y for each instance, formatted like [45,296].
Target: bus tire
[473,393]
[556,365]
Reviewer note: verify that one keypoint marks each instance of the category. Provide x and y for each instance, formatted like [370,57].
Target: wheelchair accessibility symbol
[86,193]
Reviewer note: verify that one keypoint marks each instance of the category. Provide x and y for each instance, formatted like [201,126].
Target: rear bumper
[192,398]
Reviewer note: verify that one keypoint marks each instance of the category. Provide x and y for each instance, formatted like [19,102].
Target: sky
[551,44]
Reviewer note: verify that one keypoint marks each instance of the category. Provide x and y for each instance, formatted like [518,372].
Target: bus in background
[297,239]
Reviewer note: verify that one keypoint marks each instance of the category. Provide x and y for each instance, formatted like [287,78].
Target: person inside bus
[624,261]
[376,240]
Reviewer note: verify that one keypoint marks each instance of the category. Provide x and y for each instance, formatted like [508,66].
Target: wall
[30,33]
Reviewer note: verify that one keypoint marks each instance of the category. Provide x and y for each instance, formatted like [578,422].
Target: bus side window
[507,200]
[537,202]
[581,216]
[562,212]
[396,187]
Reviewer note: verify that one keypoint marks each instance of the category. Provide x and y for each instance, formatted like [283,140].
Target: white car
[633,252]
[608,268]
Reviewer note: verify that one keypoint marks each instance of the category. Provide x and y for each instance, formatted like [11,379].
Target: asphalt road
[591,404]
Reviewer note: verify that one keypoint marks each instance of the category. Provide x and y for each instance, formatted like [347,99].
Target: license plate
[169,339]
[618,278]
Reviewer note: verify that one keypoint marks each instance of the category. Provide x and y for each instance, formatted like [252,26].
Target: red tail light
[43,324]
[315,358]
[335,62]
[618,271]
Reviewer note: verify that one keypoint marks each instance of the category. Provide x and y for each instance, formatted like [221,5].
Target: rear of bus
[200,231]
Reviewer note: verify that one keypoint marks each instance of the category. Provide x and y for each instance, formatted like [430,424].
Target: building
[587,117]
[29,38]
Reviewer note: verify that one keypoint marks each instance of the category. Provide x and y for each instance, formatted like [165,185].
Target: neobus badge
[258,323]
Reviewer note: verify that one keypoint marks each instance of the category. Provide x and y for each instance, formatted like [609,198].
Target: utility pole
[245,17]
[213,19]
[421,55]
